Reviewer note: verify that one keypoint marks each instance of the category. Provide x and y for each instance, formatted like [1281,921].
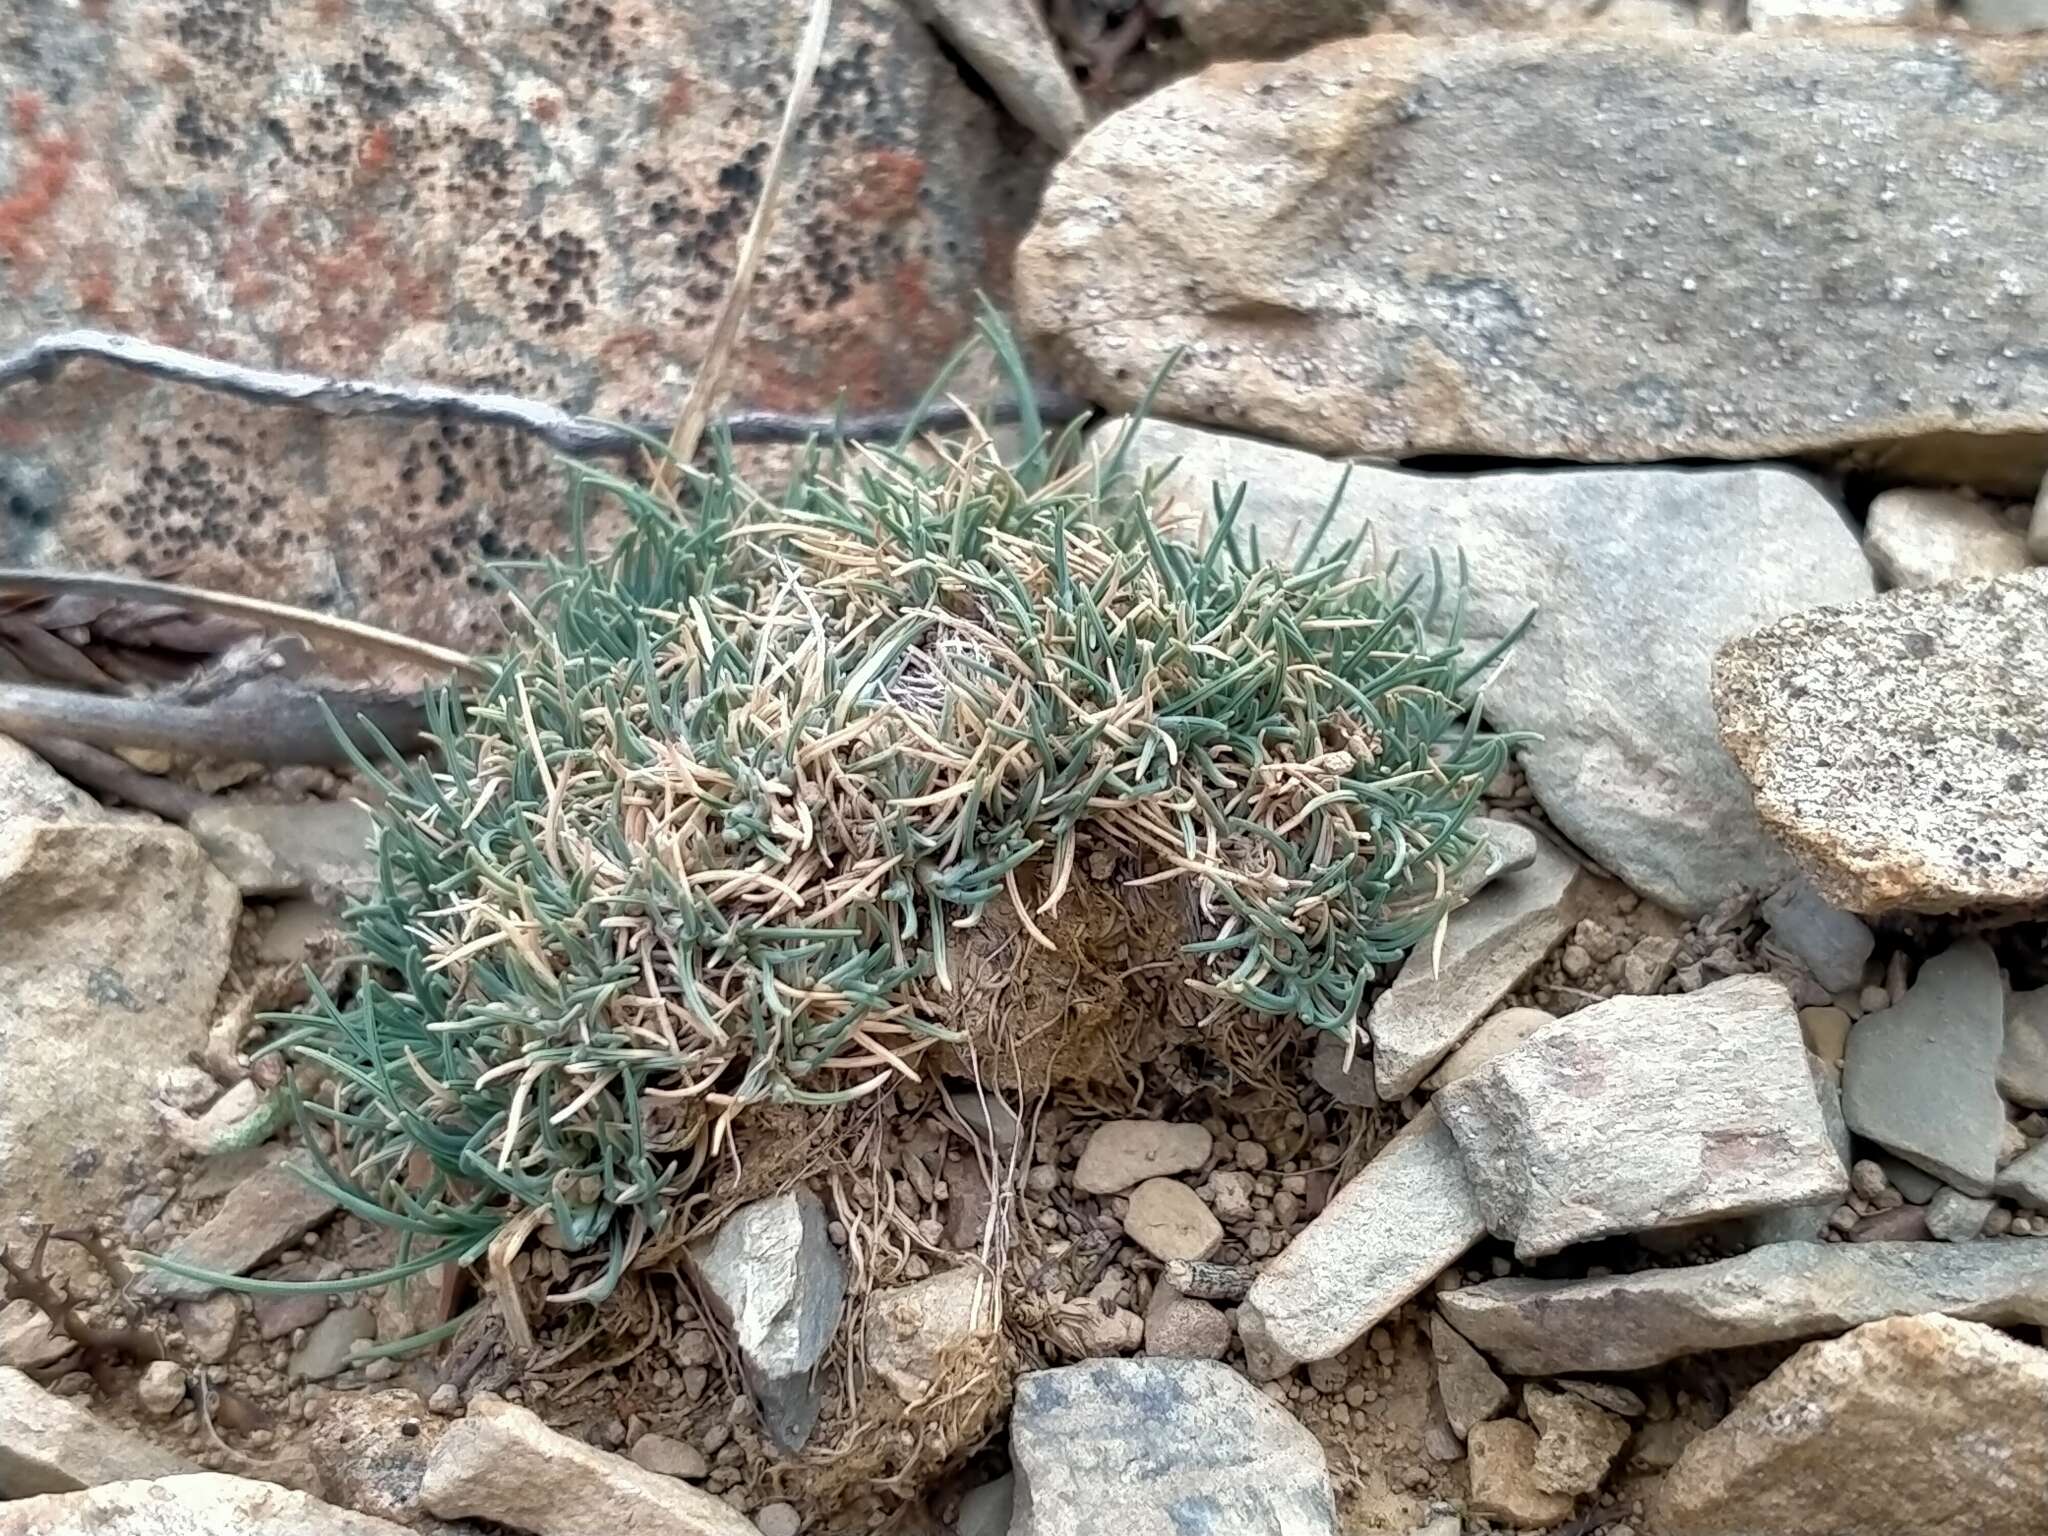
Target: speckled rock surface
[1571,246]
[1899,746]
[1270,28]
[543,198]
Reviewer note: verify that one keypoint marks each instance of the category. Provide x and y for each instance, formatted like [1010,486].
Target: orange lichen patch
[375,153]
[675,101]
[854,351]
[547,109]
[886,185]
[94,290]
[36,191]
[24,111]
[330,11]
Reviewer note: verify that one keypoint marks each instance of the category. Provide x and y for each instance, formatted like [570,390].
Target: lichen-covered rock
[541,198]
[202,1504]
[1899,746]
[1571,246]
[1267,28]
[1924,1424]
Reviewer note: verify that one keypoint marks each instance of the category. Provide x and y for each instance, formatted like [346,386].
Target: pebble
[446,1401]
[162,1388]
[1230,1192]
[1184,1327]
[1867,1179]
[1827,1033]
[778,1520]
[1169,1221]
[1122,1153]
[670,1457]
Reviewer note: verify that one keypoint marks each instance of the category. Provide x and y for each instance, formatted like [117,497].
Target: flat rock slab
[49,1444]
[202,1504]
[1921,1079]
[114,939]
[1899,746]
[2023,1064]
[1767,1296]
[1490,944]
[1920,1423]
[1386,1235]
[1612,674]
[1646,1112]
[264,1214]
[500,1463]
[1569,247]
[1162,1448]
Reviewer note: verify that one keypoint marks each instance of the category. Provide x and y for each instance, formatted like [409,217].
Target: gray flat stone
[1011,48]
[774,1278]
[321,846]
[2023,1062]
[1646,1112]
[1490,944]
[1921,1078]
[1161,1446]
[1387,1234]
[1919,538]
[331,1343]
[1612,674]
[1787,1291]
[264,1215]
[1916,1184]
[1899,746]
[1833,944]
[49,1444]
[2025,1179]
[1494,1036]
[1470,1390]
[1954,1217]
[1352,1085]
[1123,1153]
[1399,246]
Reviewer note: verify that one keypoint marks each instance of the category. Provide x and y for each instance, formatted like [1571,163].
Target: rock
[1105,1334]
[1351,1086]
[1612,1396]
[1954,1217]
[1490,944]
[1840,1440]
[1902,1224]
[1169,1221]
[1827,1033]
[278,1317]
[1767,1296]
[1503,1474]
[778,1519]
[1471,1392]
[28,1340]
[989,1117]
[331,1343]
[117,942]
[162,1388]
[1264,1360]
[1505,847]
[671,1458]
[985,1511]
[501,1463]
[1153,1445]
[371,1450]
[1495,1036]
[495,197]
[317,846]
[1658,1445]
[1807,1223]
[1916,1186]
[1920,538]
[1643,1113]
[31,791]
[1122,1153]
[2025,1179]
[202,1504]
[774,1279]
[49,1444]
[1183,1328]
[1898,746]
[1233,29]
[1834,945]
[1778,16]
[1010,47]
[2005,17]
[913,1330]
[1576,1442]
[1921,1079]
[2037,527]
[2023,1062]
[1338,280]
[1387,1234]
[263,1216]
[1612,674]
[1645,968]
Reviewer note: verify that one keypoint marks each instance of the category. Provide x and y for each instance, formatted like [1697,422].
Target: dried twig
[261,726]
[578,436]
[102,1347]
